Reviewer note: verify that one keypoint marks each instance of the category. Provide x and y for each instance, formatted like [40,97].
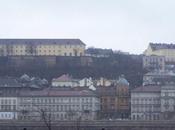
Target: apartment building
[41,47]
[161,49]
[154,63]
[115,100]
[168,102]
[8,108]
[158,78]
[60,104]
[145,103]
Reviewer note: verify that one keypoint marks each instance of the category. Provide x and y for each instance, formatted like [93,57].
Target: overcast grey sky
[127,25]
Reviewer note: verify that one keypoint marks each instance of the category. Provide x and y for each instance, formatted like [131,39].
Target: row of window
[7,101]
[171,94]
[47,46]
[145,108]
[7,116]
[145,117]
[57,100]
[145,101]
[58,107]
[57,116]
[7,107]
[154,59]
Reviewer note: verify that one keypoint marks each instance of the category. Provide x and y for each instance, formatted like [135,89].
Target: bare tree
[78,123]
[71,114]
[47,118]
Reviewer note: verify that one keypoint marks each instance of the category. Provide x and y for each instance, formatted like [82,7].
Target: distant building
[8,108]
[65,81]
[41,47]
[145,103]
[9,89]
[85,82]
[103,82]
[60,104]
[98,52]
[168,102]
[154,63]
[115,100]
[158,78]
[158,49]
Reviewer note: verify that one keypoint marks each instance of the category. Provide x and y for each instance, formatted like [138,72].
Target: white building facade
[8,108]
[65,81]
[145,103]
[168,102]
[61,105]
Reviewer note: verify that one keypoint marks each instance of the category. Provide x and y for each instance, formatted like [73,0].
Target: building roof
[122,81]
[63,78]
[9,82]
[147,89]
[42,41]
[158,46]
[52,92]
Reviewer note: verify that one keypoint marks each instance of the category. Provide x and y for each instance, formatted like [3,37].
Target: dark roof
[49,92]
[9,82]
[147,89]
[158,46]
[42,41]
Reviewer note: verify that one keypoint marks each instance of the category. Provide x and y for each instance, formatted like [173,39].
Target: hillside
[79,67]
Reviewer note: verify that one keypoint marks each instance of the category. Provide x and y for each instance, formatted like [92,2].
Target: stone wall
[126,125]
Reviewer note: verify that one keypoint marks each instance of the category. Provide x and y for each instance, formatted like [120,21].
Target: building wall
[64,84]
[123,100]
[85,82]
[168,102]
[115,102]
[168,53]
[60,108]
[145,106]
[8,108]
[42,50]
[154,63]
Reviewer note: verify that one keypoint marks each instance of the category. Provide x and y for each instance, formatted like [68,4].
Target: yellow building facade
[167,50]
[42,47]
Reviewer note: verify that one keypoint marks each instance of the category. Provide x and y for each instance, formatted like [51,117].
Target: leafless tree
[47,118]
[71,114]
[78,123]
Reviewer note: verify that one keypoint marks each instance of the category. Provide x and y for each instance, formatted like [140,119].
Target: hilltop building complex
[41,47]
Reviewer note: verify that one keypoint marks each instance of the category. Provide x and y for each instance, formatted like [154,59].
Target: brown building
[115,100]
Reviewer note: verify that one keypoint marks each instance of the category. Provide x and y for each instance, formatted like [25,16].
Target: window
[133,117]
[166,93]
